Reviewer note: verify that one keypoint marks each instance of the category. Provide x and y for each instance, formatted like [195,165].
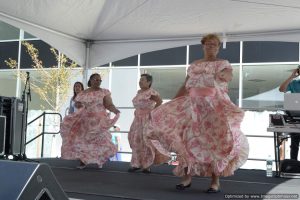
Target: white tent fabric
[94,32]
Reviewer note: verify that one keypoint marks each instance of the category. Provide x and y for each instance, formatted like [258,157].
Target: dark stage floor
[113,182]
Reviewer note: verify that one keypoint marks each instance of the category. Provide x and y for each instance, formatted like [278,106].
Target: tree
[53,84]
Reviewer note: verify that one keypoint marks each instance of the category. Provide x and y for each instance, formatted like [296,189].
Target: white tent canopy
[94,32]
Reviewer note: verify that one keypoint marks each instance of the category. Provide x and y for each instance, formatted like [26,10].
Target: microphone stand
[28,92]
[25,115]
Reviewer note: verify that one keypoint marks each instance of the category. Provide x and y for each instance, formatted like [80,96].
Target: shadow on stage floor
[114,182]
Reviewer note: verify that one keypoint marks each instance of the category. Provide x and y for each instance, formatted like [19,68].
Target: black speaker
[28,181]
[13,109]
[2,134]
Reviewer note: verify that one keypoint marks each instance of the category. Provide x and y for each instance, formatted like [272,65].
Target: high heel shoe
[182,186]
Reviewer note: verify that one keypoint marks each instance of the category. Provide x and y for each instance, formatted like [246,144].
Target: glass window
[37,80]
[130,61]
[37,103]
[124,86]
[105,65]
[196,52]
[233,86]
[231,53]
[270,52]
[261,88]
[69,62]
[126,118]
[28,36]
[8,32]
[8,83]
[166,81]
[8,50]
[45,55]
[173,56]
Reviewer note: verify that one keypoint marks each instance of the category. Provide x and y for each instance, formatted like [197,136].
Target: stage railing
[43,133]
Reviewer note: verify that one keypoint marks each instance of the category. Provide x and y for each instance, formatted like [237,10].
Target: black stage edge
[113,182]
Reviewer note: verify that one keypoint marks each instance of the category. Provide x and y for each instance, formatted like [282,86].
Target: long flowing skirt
[204,132]
[144,154]
[86,137]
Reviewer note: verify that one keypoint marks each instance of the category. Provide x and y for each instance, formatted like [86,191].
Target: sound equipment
[28,180]
[290,168]
[2,134]
[14,136]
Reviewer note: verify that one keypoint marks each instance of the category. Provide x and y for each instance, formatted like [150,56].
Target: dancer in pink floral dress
[201,124]
[143,154]
[89,126]
[67,141]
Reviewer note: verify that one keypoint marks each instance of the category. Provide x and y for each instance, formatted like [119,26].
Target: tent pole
[86,63]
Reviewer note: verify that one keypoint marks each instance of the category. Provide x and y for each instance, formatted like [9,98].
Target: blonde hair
[210,36]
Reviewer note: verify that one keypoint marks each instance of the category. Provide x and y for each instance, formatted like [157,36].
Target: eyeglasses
[211,44]
[94,79]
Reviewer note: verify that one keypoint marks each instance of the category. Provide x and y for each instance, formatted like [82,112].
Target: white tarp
[116,29]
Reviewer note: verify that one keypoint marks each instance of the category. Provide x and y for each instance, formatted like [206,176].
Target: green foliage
[51,84]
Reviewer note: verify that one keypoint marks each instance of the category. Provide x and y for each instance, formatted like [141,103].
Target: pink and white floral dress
[203,127]
[144,153]
[85,133]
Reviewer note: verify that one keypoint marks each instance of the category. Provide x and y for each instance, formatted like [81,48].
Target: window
[130,61]
[233,86]
[166,81]
[45,55]
[8,32]
[36,102]
[8,50]
[28,35]
[270,52]
[124,86]
[8,83]
[261,85]
[173,56]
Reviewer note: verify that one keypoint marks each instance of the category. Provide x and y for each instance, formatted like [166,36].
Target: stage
[113,182]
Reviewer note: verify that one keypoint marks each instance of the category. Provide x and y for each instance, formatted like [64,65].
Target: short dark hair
[148,77]
[92,76]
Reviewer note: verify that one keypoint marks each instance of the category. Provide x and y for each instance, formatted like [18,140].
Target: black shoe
[146,171]
[81,167]
[213,190]
[133,169]
[182,187]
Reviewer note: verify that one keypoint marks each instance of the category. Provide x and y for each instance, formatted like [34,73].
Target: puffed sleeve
[224,72]
[223,64]
[148,94]
[106,92]
[153,92]
[191,69]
